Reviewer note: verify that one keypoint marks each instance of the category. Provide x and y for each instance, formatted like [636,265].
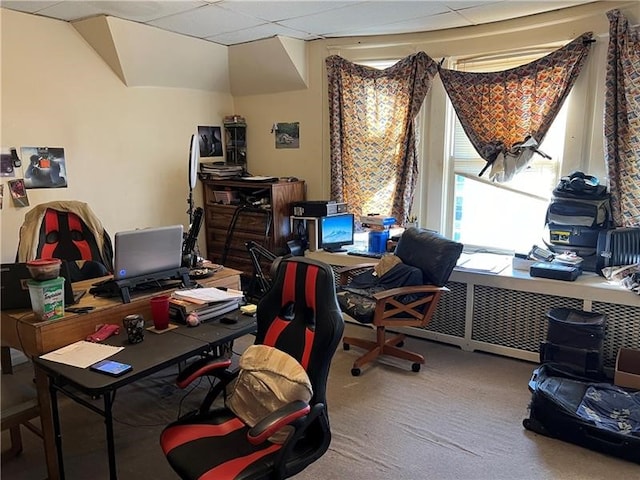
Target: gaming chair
[300,316]
[68,230]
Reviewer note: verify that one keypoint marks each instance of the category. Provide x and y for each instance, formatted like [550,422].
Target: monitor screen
[336,231]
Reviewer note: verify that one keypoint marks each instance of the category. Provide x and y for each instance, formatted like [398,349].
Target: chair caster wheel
[415,367]
[400,344]
[346,346]
[355,372]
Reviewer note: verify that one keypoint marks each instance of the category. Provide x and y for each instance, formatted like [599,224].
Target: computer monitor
[336,231]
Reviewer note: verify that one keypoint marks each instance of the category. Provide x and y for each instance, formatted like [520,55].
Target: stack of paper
[205,302]
[219,170]
[82,354]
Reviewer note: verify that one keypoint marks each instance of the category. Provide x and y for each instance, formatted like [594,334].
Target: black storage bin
[580,361]
[576,328]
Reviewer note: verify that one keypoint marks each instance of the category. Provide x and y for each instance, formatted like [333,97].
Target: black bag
[580,361]
[576,328]
[580,185]
[579,212]
[560,408]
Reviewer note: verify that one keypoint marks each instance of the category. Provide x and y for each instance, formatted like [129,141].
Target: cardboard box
[627,369]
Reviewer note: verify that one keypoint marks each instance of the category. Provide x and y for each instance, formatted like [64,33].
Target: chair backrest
[68,230]
[435,255]
[300,316]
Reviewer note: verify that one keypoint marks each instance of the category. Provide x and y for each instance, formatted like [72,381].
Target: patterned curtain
[507,114]
[622,120]
[372,133]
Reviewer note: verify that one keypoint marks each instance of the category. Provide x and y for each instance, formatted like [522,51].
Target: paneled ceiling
[230,22]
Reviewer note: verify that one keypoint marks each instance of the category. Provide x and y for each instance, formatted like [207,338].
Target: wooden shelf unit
[259,203]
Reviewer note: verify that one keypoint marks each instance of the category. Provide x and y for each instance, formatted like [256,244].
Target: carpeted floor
[459,418]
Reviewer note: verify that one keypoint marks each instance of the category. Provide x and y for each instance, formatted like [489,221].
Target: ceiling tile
[258,33]
[206,21]
[26,6]
[361,15]
[281,10]
[422,24]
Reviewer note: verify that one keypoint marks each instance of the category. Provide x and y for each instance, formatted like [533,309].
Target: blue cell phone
[111,367]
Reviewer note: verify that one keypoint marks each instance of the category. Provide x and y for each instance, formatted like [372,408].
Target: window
[510,215]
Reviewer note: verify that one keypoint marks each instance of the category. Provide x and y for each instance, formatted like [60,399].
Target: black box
[318,208]
[576,328]
[555,271]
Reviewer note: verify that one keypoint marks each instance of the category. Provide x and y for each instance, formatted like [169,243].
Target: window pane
[487,214]
[494,217]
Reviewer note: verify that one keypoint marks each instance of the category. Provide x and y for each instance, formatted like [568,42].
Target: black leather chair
[405,295]
[299,315]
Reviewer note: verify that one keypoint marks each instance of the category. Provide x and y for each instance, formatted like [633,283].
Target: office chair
[298,315]
[402,290]
[68,230]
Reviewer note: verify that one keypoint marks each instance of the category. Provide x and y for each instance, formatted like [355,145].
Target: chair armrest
[206,366]
[345,274]
[392,292]
[276,420]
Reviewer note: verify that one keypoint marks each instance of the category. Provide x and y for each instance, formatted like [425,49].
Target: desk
[156,352]
[22,331]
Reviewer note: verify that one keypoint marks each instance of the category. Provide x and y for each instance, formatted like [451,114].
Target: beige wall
[126,147]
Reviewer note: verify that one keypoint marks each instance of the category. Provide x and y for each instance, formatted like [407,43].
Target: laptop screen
[146,251]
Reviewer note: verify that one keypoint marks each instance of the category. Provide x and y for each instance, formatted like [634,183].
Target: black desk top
[155,353]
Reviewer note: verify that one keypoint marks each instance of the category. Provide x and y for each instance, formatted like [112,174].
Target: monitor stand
[127,284]
[335,250]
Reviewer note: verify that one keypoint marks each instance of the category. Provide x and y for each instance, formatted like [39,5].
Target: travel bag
[576,328]
[580,361]
[618,247]
[598,416]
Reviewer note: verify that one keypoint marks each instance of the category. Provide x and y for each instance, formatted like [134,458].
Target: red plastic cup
[160,312]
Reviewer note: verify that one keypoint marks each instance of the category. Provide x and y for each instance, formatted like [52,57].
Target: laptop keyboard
[367,254]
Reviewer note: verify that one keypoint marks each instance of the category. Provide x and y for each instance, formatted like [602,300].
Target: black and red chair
[68,230]
[300,316]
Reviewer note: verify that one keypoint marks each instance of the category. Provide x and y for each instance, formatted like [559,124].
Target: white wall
[126,148]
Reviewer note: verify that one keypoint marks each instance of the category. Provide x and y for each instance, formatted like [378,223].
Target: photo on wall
[44,167]
[210,139]
[288,135]
[18,193]
[6,164]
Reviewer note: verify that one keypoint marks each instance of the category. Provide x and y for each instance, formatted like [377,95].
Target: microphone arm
[189,243]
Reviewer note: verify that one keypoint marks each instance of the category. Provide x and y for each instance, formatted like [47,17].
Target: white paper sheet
[81,354]
[208,295]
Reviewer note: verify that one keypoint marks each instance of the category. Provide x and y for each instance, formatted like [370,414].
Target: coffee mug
[134,325]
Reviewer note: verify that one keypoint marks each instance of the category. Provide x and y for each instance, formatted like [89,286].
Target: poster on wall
[288,135]
[210,139]
[44,167]
[18,193]
[6,164]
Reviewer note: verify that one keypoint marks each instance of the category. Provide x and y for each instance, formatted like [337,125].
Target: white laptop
[147,251]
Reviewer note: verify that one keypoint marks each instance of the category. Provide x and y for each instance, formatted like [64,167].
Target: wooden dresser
[258,211]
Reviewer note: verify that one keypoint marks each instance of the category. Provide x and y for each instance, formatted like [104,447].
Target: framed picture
[210,139]
[288,135]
